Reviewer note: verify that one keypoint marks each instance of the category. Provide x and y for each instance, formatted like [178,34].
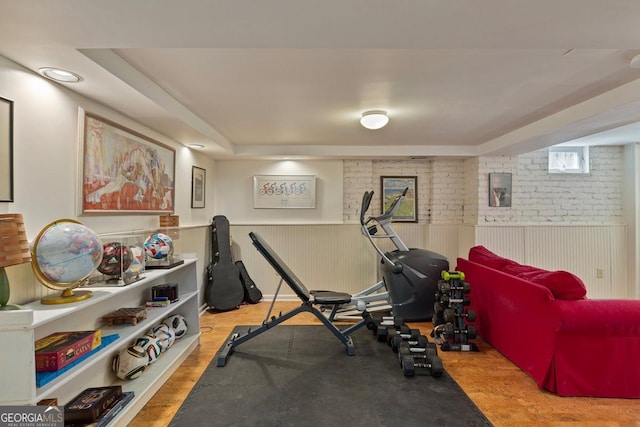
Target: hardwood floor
[506,395]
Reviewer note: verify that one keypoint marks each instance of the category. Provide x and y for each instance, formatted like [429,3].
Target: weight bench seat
[309,300]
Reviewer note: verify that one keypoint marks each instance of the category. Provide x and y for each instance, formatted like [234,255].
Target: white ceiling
[287,78]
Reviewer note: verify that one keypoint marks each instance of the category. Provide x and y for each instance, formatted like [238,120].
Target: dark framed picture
[6,150]
[393,186]
[500,190]
[198,182]
[123,170]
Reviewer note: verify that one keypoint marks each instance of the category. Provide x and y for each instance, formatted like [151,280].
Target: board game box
[91,404]
[57,350]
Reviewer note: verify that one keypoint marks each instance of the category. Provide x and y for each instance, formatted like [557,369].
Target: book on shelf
[59,349]
[91,404]
[111,413]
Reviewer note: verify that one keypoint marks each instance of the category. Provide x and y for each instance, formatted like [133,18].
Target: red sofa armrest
[614,318]
[518,318]
[597,348]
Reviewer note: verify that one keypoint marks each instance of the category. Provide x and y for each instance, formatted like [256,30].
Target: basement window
[568,159]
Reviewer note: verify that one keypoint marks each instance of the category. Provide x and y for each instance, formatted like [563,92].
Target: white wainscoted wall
[338,257]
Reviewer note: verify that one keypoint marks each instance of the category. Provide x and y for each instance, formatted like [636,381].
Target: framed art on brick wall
[500,190]
[392,186]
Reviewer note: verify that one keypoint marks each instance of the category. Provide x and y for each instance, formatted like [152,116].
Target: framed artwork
[392,186]
[284,191]
[6,150]
[123,170]
[500,190]
[198,178]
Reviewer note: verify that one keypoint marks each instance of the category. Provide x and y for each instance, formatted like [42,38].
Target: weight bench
[309,300]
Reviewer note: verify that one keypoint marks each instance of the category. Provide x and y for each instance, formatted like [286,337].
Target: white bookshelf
[20,329]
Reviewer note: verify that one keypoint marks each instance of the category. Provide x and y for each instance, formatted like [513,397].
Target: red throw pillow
[562,284]
[482,255]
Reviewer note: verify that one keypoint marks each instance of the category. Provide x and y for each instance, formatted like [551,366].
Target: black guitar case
[224,290]
[252,294]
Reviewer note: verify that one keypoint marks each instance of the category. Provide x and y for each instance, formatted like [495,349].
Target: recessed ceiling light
[60,75]
[374,119]
[195,145]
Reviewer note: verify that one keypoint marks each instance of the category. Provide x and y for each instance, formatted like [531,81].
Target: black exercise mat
[302,376]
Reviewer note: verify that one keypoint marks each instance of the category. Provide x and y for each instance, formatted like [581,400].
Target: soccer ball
[150,345]
[130,363]
[166,336]
[116,258]
[158,246]
[178,323]
[137,264]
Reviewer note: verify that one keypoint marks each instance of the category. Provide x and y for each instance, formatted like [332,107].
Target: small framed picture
[393,186]
[500,190]
[198,182]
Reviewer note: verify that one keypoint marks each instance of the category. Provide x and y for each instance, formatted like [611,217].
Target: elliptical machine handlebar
[385,222]
[366,201]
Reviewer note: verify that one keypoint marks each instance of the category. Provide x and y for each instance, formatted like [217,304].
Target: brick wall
[456,191]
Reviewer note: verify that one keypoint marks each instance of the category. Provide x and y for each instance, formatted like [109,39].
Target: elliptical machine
[376,297]
[410,275]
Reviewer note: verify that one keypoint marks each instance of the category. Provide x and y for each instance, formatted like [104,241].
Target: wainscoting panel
[443,239]
[508,241]
[334,257]
[587,251]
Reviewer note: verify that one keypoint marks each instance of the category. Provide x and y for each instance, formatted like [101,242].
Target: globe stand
[67,296]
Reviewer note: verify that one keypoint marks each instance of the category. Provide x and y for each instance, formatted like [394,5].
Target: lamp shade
[374,119]
[14,246]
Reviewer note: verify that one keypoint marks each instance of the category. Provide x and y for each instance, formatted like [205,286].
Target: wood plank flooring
[506,395]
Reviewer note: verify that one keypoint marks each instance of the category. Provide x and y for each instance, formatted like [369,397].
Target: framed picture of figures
[123,171]
[500,190]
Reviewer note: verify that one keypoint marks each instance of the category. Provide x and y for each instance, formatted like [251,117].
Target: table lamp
[14,249]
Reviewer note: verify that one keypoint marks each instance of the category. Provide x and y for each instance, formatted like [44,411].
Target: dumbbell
[450,331]
[421,364]
[446,287]
[376,322]
[384,332]
[387,334]
[448,275]
[421,346]
[449,300]
[450,315]
[402,336]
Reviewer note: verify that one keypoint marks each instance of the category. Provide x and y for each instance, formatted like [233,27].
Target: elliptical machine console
[410,275]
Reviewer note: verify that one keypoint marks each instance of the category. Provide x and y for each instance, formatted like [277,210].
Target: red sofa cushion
[562,284]
[482,255]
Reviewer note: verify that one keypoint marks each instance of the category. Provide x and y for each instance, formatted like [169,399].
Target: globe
[64,255]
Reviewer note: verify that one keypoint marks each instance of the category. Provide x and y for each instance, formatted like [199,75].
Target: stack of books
[96,406]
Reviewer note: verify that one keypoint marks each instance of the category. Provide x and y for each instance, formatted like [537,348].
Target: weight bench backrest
[283,270]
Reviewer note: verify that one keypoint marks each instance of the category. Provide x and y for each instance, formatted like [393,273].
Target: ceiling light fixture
[60,75]
[195,145]
[374,119]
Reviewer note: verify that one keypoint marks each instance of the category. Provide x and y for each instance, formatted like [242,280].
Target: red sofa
[543,322]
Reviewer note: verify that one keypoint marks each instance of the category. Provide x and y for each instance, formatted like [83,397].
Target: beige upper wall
[45,157]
